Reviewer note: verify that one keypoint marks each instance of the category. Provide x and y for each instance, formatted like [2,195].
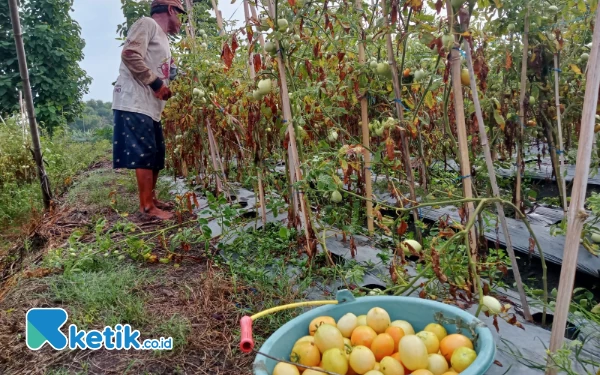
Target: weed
[177,327]
[113,296]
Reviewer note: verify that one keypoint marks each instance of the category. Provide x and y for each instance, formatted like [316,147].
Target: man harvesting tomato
[139,98]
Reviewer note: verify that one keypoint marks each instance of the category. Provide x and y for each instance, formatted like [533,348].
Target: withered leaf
[496,323]
[234,44]
[438,6]
[393,273]
[422,293]
[531,245]
[402,227]
[257,63]
[353,249]
[435,260]
[498,363]
[227,56]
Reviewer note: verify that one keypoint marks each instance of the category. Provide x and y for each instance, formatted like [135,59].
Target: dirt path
[81,258]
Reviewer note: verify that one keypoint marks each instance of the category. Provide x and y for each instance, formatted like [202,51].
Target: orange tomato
[452,342]
[406,72]
[363,335]
[382,346]
[397,333]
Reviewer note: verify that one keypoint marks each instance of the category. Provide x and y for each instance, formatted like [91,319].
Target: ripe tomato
[452,342]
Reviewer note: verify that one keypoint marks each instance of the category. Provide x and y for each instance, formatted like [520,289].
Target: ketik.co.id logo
[43,326]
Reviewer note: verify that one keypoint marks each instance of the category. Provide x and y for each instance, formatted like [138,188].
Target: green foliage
[96,115]
[54,49]
[110,295]
[19,187]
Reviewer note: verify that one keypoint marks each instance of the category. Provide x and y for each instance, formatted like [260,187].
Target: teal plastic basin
[418,312]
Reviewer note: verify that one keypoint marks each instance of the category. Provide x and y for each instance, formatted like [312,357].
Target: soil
[197,289]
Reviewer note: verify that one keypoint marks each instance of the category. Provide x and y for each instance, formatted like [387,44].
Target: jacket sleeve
[134,51]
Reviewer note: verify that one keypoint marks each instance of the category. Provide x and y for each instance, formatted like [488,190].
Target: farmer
[139,97]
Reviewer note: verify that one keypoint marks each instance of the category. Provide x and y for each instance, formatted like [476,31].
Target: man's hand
[161,91]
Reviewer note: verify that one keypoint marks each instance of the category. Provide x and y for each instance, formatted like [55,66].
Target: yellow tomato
[462,358]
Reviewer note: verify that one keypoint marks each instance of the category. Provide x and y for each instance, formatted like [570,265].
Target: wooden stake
[261,39]
[213,155]
[33,128]
[560,151]
[520,136]
[287,118]
[463,146]
[364,111]
[218,16]
[492,173]
[261,193]
[400,111]
[577,213]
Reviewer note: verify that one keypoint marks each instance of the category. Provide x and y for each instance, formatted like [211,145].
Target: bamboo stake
[364,111]
[399,109]
[213,155]
[261,39]
[218,16]
[577,214]
[560,150]
[522,111]
[463,146]
[287,118]
[190,13]
[33,128]
[261,191]
[492,173]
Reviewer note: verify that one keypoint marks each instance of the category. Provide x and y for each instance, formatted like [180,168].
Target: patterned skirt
[138,142]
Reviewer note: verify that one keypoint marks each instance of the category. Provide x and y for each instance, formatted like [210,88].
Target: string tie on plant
[461,51]
[557,70]
[460,178]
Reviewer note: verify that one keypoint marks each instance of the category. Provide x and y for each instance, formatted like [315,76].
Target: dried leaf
[496,323]
[486,289]
[531,245]
[353,249]
[575,68]
[435,261]
[393,273]
[227,56]
[234,44]
[389,147]
[308,66]
[402,228]
[498,363]
[438,6]
[446,233]
[292,2]
[257,63]
[422,294]
[509,60]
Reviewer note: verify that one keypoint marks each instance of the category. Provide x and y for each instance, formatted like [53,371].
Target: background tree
[54,49]
[95,115]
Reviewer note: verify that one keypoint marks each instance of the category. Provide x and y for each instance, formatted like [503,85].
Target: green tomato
[265,86]
[270,47]
[336,197]
[282,24]
[419,74]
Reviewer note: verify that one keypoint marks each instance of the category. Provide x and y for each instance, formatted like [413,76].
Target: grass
[110,296]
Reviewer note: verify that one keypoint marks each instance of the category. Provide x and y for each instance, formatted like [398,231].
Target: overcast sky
[98,20]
